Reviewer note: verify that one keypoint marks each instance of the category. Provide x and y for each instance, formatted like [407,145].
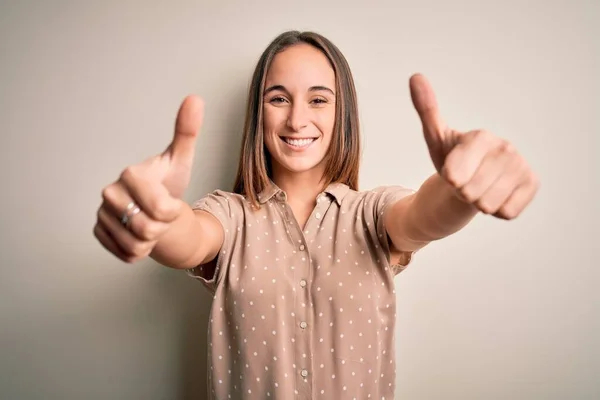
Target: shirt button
[318,215]
[304,373]
[301,247]
[303,283]
[303,325]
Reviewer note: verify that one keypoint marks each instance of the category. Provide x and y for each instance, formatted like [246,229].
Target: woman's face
[299,110]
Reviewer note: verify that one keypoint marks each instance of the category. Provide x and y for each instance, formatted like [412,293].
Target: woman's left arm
[476,172]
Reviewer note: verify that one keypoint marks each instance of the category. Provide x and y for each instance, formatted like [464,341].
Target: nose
[298,117]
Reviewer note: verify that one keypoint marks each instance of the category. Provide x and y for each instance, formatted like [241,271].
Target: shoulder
[224,203]
[222,196]
[378,196]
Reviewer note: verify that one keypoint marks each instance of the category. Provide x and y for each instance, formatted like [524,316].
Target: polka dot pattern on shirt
[302,313]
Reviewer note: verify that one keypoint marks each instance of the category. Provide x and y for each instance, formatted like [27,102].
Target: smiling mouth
[298,143]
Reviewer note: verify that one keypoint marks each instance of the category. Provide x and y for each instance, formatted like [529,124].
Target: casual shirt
[302,313]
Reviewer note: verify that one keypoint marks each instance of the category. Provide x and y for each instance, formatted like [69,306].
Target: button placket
[301,274]
[311,230]
[304,352]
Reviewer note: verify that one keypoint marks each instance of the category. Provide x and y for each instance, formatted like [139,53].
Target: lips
[298,142]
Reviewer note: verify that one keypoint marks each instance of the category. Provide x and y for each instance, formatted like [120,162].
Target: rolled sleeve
[385,197]
[220,205]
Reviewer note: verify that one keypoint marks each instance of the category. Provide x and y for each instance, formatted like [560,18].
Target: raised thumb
[187,126]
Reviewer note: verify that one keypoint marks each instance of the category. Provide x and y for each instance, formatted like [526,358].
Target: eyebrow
[311,89]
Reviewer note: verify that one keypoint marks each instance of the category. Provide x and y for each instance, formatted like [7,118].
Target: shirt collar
[268,192]
[336,190]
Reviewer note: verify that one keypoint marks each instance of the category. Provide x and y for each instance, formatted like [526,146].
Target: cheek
[267,119]
[270,124]
[272,119]
[326,124]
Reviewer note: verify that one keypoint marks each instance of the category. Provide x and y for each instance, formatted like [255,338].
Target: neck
[300,188]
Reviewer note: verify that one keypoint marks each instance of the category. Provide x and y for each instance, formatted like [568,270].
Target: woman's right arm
[142,213]
[193,239]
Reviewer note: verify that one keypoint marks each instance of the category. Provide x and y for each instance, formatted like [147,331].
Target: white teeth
[299,142]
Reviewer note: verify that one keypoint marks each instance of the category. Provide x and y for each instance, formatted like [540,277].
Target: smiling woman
[302,88]
[301,263]
[299,115]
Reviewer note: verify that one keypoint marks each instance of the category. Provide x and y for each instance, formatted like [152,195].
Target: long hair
[343,157]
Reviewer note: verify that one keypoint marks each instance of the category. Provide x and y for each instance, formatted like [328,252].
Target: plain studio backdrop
[501,310]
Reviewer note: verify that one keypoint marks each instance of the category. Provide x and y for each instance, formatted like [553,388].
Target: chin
[299,166]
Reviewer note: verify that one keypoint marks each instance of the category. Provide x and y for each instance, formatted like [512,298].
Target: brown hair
[343,157]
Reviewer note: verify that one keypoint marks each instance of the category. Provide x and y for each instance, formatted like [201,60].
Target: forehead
[300,66]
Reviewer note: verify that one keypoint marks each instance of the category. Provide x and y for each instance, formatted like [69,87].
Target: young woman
[301,263]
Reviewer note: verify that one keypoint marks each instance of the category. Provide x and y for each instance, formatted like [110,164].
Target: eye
[277,100]
[319,101]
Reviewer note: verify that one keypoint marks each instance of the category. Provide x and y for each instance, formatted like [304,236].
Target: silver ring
[128,214]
